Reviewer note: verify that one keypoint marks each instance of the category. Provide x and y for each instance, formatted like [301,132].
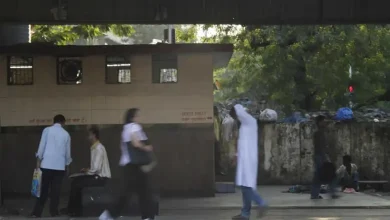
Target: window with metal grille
[20,70]
[118,70]
[164,68]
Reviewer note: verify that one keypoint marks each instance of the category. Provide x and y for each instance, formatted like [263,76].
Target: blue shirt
[54,148]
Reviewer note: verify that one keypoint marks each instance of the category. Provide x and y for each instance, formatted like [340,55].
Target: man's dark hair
[59,119]
[347,160]
[95,131]
[233,113]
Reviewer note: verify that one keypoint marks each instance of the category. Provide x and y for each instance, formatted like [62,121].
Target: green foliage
[186,33]
[304,67]
[68,34]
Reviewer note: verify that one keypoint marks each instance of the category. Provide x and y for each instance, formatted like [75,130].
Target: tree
[68,34]
[305,67]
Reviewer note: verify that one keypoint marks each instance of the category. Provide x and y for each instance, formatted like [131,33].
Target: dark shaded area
[185,155]
[197,12]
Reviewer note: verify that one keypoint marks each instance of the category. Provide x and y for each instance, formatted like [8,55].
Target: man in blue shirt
[53,157]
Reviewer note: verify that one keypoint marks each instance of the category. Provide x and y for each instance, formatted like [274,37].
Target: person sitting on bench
[94,176]
[348,175]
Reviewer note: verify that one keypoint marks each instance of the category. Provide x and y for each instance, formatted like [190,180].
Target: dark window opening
[164,68]
[20,70]
[69,71]
[118,70]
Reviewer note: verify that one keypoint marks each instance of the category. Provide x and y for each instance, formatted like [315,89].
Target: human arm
[243,116]
[68,158]
[42,147]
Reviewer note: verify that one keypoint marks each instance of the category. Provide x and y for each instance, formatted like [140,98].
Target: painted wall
[95,102]
[177,117]
[286,151]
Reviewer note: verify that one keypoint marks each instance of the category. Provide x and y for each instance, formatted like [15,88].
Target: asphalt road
[311,214]
[296,214]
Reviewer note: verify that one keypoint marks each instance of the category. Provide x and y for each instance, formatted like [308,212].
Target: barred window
[20,70]
[118,70]
[168,75]
[164,68]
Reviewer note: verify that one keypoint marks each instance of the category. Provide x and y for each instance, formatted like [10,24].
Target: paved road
[302,214]
[322,214]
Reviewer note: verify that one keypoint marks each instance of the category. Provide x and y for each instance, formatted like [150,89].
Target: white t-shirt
[127,132]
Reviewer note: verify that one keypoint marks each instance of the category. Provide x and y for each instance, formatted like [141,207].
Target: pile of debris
[255,109]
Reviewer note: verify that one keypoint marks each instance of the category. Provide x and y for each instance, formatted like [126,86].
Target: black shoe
[318,197]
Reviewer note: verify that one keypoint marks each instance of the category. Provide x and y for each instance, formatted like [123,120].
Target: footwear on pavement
[240,217]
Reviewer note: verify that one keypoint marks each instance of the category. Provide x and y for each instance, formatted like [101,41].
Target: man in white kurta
[247,162]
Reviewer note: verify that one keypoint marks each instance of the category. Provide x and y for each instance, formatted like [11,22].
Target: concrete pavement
[289,214]
[225,205]
[278,200]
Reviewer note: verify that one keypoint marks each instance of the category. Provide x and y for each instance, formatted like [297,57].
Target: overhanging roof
[198,11]
[221,52]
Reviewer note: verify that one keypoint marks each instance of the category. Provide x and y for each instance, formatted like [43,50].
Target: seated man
[348,175]
[96,175]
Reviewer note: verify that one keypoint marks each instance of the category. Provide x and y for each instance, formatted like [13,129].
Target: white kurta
[247,156]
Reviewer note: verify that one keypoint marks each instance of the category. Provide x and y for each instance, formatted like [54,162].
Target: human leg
[128,188]
[75,196]
[45,184]
[145,196]
[55,190]
[247,197]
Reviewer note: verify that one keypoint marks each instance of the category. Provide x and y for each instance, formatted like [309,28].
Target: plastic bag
[344,114]
[36,183]
[268,115]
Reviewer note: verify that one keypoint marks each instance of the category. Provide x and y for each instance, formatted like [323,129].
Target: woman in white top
[95,175]
[136,180]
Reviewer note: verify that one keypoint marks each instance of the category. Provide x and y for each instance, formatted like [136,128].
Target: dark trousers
[135,181]
[51,179]
[78,184]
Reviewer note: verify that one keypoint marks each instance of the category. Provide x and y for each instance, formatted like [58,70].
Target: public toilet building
[172,85]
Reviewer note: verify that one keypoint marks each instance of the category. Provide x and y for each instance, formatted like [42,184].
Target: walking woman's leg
[127,188]
[145,196]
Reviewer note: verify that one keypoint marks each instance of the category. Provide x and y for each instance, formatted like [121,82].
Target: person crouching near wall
[136,160]
[94,176]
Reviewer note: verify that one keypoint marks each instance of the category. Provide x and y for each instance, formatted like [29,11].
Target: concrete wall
[95,102]
[183,142]
[286,150]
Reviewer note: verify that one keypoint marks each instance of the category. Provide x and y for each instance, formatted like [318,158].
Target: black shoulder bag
[137,155]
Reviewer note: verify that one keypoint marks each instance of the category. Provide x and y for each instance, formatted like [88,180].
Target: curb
[273,208]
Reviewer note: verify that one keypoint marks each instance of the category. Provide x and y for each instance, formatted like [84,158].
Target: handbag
[149,167]
[137,155]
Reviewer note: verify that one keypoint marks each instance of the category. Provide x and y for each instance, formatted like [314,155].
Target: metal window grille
[164,68]
[168,75]
[118,70]
[20,70]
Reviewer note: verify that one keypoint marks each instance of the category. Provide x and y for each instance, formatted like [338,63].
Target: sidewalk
[232,202]
[278,200]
